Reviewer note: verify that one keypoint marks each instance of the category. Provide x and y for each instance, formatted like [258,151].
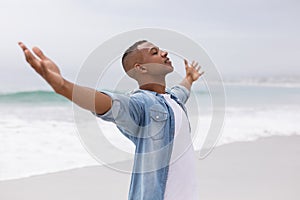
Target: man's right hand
[44,66]
[85,97]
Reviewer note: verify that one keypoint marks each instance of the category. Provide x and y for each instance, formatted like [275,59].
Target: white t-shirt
[182,178]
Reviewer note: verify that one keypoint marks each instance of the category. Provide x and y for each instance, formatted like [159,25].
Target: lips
[167,61]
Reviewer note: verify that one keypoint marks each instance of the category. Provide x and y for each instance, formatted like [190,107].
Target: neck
[155,84]
[161,89]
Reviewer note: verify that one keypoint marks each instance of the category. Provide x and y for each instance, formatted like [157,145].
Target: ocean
[38,133]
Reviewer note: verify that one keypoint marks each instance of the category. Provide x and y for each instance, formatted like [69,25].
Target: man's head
[144,59]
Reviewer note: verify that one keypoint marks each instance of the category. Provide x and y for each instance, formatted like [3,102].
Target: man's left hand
[192,71]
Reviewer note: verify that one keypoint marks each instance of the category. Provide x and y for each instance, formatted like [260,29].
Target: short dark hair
[130,50]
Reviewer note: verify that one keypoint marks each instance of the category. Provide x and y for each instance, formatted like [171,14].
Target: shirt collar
[167,90]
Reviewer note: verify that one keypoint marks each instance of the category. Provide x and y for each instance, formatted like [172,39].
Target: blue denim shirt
[147,120]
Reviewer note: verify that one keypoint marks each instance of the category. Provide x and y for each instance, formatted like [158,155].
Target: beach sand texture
[266,169]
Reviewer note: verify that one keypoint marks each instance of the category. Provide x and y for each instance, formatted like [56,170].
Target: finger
[29,56]
[39,53]
[22,46]
[34,63]
[186,63]
[193,63]
[198,68]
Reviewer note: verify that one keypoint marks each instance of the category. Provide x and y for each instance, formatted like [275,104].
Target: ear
[140,68]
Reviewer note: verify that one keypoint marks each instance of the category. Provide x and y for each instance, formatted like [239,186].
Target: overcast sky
[243,38]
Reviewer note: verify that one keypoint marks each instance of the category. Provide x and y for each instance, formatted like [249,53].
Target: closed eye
[154,50]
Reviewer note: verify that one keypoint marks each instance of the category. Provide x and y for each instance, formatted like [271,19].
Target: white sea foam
[251,124]
[37,147]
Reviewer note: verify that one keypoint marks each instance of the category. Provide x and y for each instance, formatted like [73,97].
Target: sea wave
[38,96]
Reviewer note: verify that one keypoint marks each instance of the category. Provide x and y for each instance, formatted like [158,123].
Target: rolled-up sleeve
[126,112]
[181,92]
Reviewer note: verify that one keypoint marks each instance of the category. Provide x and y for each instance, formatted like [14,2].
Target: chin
[169,66]
[170,70]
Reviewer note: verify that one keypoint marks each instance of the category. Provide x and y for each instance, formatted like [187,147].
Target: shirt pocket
[158,121]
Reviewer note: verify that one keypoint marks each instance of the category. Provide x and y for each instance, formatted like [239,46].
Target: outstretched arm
[87,98]
[192,74]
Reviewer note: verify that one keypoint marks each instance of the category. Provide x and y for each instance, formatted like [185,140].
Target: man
[152,117]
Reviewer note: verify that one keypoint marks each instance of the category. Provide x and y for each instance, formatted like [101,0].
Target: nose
[164,53]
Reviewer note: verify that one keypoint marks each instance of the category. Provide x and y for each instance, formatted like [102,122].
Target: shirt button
[157,117]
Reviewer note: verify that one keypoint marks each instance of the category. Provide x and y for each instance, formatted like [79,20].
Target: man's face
[155,59]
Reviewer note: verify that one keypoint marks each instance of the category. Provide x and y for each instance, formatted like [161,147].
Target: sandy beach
[264,169]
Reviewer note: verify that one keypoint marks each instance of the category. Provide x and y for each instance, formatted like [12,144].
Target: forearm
[85,97]
[187,83]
